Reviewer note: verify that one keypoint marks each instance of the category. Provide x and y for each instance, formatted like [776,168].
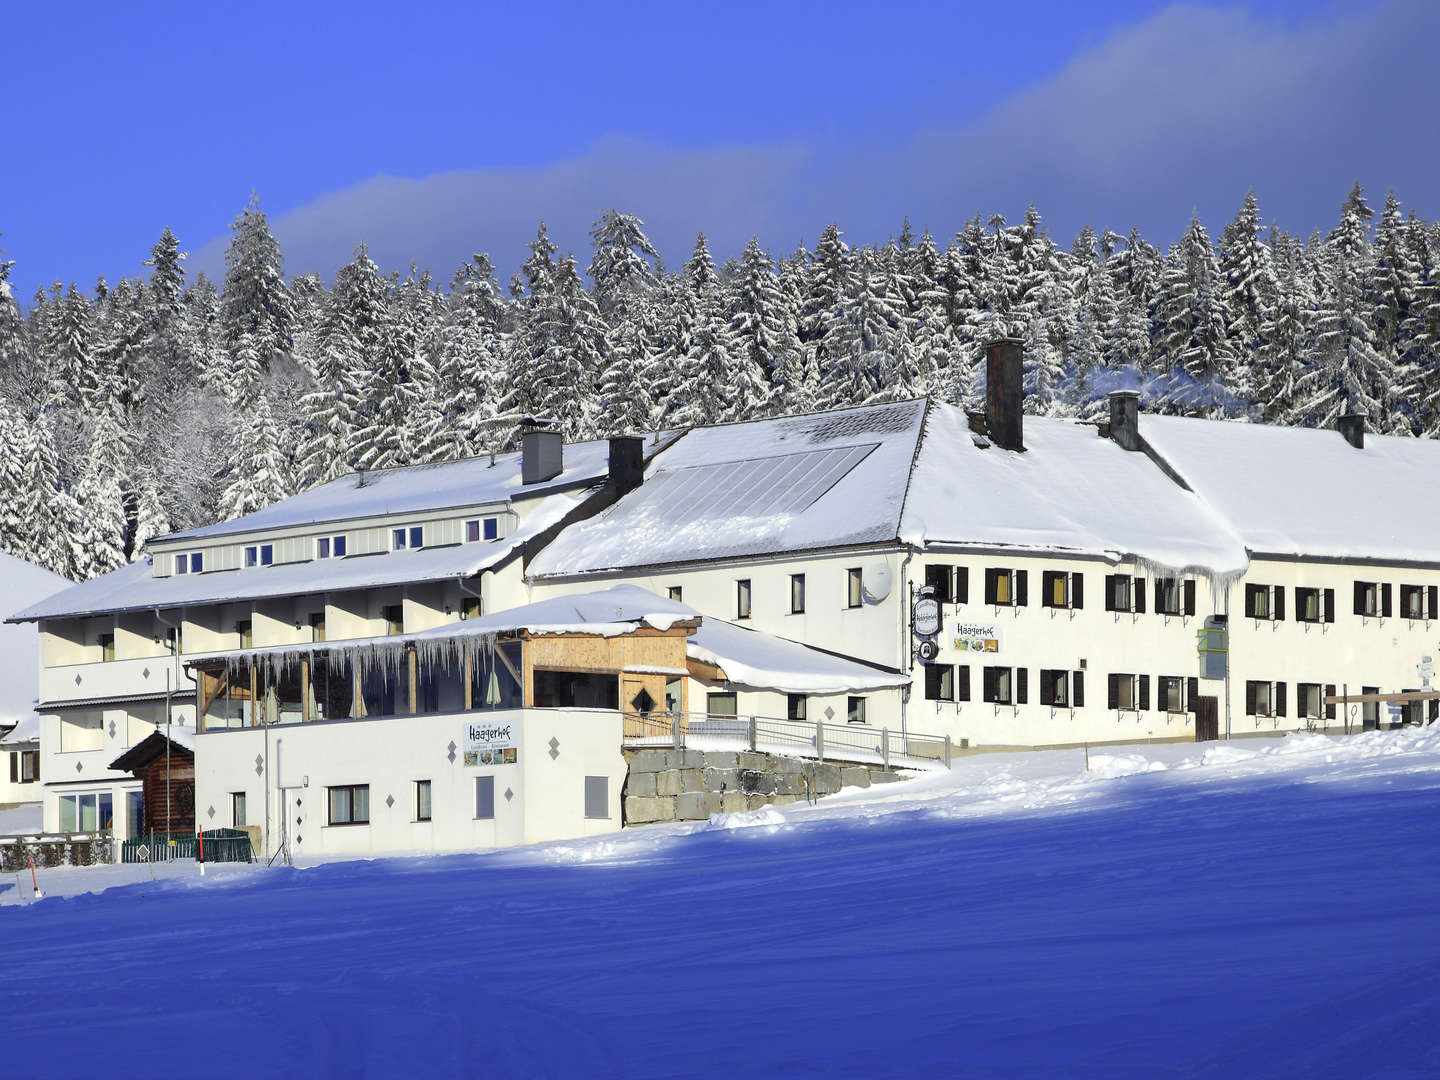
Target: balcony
[142,677]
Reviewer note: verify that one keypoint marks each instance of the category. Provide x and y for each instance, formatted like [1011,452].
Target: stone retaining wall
[690,785]
[47,851]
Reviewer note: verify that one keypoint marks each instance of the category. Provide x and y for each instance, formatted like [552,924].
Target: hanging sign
[979,637]
[927,617]
[491,743]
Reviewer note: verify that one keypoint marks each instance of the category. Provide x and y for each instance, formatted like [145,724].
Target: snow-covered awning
[754,660]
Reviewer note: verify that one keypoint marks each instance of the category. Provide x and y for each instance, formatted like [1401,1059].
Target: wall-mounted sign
[980,637]
[489,743]
[927,617]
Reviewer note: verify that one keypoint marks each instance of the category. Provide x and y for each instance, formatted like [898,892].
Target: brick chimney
[1005,392]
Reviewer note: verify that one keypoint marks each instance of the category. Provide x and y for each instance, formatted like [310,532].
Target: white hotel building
[1077,567]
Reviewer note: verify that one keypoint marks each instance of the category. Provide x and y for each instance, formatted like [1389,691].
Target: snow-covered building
[378,601]
[20,773]
[1142,578]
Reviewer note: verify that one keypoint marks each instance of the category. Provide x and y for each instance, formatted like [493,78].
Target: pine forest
[162,403]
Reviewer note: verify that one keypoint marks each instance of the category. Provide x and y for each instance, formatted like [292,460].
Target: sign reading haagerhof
[980,637]
[491,743]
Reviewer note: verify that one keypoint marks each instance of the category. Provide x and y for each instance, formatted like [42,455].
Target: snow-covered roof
[788,484]
[620,609]
[412,490]
[23,583]
[755,660]
[26,731]
[1070,491]
[133,588]
[1303,491]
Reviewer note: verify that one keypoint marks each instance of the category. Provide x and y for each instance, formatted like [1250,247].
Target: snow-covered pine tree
[620,267]
[1285,335]
[1349,372]
[255,303]
[98,544]
[1248,279]
[1395,286]
[1194,354]
[757,330]
[151,520]
[259,474]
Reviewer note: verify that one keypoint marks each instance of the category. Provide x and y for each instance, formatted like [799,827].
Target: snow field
[1258,908]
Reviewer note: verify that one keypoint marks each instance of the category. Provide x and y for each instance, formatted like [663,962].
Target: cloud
[1183,111]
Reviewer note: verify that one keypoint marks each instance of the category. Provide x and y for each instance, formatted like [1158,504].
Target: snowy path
[1255,909]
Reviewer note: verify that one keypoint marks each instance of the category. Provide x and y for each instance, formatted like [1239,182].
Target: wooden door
[1207,719]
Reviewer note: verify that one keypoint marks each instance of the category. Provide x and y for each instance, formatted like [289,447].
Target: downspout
[467,591]
[907,654]
[169,709]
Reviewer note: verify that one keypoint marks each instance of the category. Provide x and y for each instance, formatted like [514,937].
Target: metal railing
[221,845]
[822,741]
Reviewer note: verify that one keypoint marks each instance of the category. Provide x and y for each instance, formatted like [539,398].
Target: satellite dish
[876,582]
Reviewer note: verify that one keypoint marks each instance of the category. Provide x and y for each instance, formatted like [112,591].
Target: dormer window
[330,547]
[191,563]
[260,555]
[477,529]
[412,537]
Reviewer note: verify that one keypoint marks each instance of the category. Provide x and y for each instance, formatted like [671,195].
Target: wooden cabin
[166,770]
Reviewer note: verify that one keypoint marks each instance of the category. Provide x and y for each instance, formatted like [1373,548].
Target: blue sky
[431,133]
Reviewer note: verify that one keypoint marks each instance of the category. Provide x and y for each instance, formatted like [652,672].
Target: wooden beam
[709,672]
[1399,699]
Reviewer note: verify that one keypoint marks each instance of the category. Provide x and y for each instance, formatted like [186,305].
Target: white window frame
[429,799]
[797,594]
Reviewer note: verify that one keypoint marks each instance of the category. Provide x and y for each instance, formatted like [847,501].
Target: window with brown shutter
[962,682]
[1054,686]
[1279,699]
[1077,689]
[1192,694]
[938,580]
[1143,694]
[1021,588]
[962,584]
[1330,705]
[1189,596]
[1385,600]
[1329,605]
[1022,685]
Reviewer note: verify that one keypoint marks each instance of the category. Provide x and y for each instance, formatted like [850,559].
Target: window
[1265,602]
[350,804]
[260,555]
[1264,698]
[1004,686]
[394,616]
[1372,599]
[597,797]
[182,564]
[742,598]
[1064,590]
[469,607]
[24,766]
[676,593]
[1171,695]
[330,547]
[797,594]
[1055,688]
[1308,701]
[1174,596]
[411,537]
[1006,587]
[197,562]
[317,627]
[940,682]
[107,647]
[854,587]
[484,798]
[422,800]
[939,579]
[87,813]
[1126,691]
[472,531]
[855,710]
[1124,593]
[1314,605]
[491,528]
[174,643]
[1370,710]
[237,809]
[796,706]
[1418,602]
[245,632]
[721,704]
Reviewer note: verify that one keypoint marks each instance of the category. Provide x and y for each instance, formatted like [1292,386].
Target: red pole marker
[33,883]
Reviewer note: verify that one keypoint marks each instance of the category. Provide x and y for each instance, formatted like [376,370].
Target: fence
[796,738]
[221,845]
